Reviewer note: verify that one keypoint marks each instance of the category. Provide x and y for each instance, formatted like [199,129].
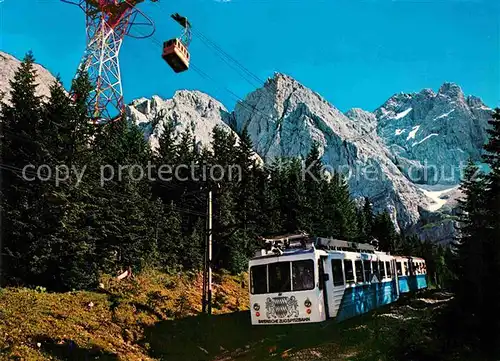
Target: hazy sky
[354,53]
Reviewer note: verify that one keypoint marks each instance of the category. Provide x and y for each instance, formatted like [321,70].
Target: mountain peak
[282,80]
[427,92]
[451,89]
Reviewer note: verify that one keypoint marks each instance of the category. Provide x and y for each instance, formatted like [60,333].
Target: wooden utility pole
[209,258]
[205,254]
[206,301]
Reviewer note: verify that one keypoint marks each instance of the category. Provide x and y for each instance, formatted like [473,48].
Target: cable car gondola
[175,51]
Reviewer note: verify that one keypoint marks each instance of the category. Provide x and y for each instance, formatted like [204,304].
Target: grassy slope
[110,323]
[153,317]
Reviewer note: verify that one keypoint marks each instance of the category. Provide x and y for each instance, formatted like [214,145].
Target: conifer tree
[385,233]
[491,234]
[472,258]
[247,203]
[313,179]
[21,198]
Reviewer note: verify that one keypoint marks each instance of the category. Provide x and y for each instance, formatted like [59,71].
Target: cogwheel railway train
[303,279]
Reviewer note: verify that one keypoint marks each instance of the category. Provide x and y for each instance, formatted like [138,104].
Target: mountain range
[406,156]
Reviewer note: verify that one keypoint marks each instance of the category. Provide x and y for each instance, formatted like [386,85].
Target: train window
[303,275]
[382,269]
[279,277]
[368,270]
[358,266]
[338,274]
[388,268]
[349,272]
[258,279]
[376,271]
[399,268]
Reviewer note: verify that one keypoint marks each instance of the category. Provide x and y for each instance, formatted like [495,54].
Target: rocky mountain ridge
[432,135]
[382,153]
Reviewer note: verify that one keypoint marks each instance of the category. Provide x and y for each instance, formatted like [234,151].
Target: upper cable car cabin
[176,54]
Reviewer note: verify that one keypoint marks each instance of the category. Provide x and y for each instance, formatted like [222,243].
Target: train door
[335,286]
[396,276]
[323,277]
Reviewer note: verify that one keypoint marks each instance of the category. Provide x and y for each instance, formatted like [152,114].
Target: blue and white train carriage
[412,273]
[299,279]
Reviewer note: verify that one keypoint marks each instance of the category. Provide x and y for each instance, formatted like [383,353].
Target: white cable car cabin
[176,55]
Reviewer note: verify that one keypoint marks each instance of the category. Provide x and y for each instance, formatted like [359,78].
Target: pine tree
[472,270]
[229,247]
[385,233]
[491,234]
[368,217]
[21,198]
[292,196]
[270,183]
[121,221]
[64,142]
[247,210]
[313,179]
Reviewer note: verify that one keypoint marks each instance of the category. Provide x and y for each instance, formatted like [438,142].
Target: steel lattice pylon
[107,23]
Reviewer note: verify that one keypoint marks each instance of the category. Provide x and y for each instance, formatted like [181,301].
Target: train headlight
[307,303]
[256,306]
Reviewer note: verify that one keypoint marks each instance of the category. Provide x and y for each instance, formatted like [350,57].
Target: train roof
[285,252]
[301,243]
[399,257]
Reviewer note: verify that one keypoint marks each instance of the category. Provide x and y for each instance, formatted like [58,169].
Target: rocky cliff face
[432,135]
[284,118]
[188,109]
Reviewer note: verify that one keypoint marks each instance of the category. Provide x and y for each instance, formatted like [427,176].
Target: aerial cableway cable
[245,74]
[203,74]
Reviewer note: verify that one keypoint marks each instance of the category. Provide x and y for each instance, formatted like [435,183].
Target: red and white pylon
[107,23]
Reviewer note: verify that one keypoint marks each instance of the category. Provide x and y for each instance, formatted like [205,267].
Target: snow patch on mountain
[423,140]
[444,115]
[412,133]
[438,196]
[403,114]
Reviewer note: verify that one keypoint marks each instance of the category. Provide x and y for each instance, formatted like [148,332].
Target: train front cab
[359,283]
[286,289]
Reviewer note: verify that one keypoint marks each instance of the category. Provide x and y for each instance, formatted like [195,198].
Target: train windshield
[282,277]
